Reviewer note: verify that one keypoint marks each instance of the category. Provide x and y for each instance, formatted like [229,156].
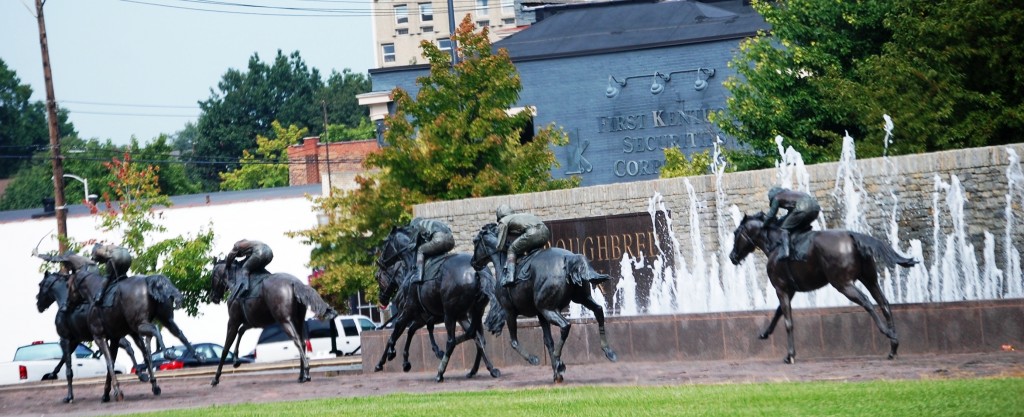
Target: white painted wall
[265,220]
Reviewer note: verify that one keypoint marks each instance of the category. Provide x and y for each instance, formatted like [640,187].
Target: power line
[133,114]
[97,103]
[470,6]
[226,161]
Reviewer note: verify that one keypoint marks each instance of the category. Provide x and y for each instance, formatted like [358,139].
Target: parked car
[274,345]
[34,361]
[178,357]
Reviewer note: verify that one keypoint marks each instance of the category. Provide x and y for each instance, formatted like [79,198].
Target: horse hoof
[789,359]
[105,399]
[495,373]
[470,375]
[762,336]
[439,379]
[119,396]
[236,364]
[68,400]
[533,360]
[391,356]
[49,377]
[610,354]
[303,379]
[214,382]
[406,367]
[157,391]
[143,377]
[378,368]
[559,379]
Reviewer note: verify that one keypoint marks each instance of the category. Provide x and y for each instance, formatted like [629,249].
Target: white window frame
[385,55]
[508,7]
[401,14]
[426,12]
[441,46]
[481,7]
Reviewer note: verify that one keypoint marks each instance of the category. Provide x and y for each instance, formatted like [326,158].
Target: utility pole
[51,116]
[451,30]
[327,147]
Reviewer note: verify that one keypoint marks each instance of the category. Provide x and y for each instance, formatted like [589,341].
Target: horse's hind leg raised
[855,295]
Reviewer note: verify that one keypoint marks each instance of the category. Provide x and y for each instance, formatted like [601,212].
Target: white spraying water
[695,280]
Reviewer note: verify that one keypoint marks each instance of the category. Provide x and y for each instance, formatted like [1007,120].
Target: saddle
[107,298]
[255,284]
[800,243]
[432,266]
[524,266]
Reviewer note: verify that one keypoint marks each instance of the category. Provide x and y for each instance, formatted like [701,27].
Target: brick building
[330,164]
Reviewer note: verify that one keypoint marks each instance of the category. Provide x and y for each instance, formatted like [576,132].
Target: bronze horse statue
[281,299]
[459,295]
[72,327]
[558,278]
[834,257]
[137,302]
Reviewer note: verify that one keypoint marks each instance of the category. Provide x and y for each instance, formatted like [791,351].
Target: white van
[274,345]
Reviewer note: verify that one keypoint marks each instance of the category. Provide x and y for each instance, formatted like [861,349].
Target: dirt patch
[43,399]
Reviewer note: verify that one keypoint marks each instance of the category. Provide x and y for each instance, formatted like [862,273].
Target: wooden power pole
[55,155]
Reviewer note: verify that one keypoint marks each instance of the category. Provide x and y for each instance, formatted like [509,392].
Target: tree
[454,140]
[945,71]
[23,129]
[343,133]
[339,96]
[269,166]
[81,158]
[676,164]
[132,208]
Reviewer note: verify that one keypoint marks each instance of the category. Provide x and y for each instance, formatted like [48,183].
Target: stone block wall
[982,173]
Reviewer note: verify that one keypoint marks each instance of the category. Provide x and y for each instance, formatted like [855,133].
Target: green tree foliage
[947,72]
[343,133]
[285,90]
[268,166]
[132,208]
[23,127]
[676,164]
[454,140]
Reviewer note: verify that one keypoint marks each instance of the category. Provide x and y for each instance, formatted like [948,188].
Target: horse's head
[53,288]
[747,237]
[485,246]
[220,280]
[394,257]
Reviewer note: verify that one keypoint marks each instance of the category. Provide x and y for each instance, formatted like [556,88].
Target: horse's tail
[871,247]
[312,300]
[495,317]
[163,291]
[579,271]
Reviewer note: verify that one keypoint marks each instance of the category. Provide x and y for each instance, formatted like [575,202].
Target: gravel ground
[44,399]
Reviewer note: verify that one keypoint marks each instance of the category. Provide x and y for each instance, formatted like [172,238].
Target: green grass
[969,397]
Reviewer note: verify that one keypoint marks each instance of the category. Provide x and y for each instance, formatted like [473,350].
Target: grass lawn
[969,397]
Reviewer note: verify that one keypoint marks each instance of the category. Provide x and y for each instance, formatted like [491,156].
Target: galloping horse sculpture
[137,302]
[558,277]
[72,327]
[282,299]
[836,257]
[459,295]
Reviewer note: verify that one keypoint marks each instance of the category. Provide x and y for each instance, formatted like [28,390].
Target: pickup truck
[274,345]
[35,361]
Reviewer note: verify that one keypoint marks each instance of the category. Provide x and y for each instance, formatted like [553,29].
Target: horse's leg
[787,313]
[300,343]
[599,316]
[238,341]
[854,294]
[172,327]
[148,329]
[63,360]
[449,347]
[124,344]
[67,346]
[396,332]
[775,319]
[433,343]
[513,335]
[111,382]
[406,365]
[554,350]
[233,324]
[883,303]
[468,329]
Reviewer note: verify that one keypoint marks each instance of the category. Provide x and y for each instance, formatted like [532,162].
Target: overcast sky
[126,67]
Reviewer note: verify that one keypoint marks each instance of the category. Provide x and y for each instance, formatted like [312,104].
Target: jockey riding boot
[241,284]
[418,279]
[103,289]
[784,250]
[508,276]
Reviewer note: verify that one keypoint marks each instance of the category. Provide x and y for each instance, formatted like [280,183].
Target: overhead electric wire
[470,6]
[96,103]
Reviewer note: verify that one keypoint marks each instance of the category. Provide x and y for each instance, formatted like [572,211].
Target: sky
[139,68]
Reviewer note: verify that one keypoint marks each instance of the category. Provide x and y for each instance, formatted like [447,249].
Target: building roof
[623,26]
[184,201]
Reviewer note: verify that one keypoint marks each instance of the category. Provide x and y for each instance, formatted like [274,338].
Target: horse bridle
[743,234]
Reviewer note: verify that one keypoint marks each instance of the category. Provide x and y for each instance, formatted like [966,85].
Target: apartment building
[400,25]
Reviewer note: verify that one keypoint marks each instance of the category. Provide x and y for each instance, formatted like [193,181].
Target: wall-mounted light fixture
[659,81]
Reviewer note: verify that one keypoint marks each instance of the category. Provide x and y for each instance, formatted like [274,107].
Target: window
[402,31]
[401,14]
[444,44]
[508,21]
[483,23]
[508,7]
[481,7]
[426,12]
[426,29]
[389,52]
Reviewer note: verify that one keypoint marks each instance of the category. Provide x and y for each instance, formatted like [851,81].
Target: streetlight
[85,183]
